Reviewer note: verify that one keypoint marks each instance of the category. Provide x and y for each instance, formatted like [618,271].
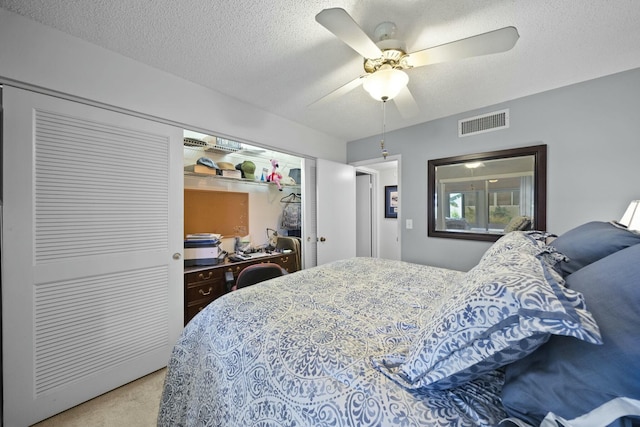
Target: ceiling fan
[386,60]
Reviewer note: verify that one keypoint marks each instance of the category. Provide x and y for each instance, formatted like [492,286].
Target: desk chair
[256,273]
[293,244]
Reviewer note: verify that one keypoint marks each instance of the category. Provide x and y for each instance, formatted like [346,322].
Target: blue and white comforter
[296,351]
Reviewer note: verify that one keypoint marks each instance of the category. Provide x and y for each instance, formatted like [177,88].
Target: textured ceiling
[273,54]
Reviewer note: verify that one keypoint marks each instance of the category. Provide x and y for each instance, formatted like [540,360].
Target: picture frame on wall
[391,201]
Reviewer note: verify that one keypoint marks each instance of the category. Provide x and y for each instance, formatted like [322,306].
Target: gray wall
[592,130]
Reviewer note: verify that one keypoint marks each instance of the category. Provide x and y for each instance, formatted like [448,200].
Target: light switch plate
[409,224]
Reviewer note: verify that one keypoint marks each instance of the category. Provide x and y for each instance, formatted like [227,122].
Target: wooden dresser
[206,283]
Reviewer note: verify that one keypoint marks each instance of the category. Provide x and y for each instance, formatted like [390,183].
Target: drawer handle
[205,293]
[201,276]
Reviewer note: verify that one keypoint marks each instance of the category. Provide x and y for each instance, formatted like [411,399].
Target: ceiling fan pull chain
[384,126]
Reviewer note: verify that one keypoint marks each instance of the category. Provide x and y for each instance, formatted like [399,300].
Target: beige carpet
[132,405]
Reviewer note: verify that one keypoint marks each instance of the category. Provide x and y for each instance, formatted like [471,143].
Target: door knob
[177,255]
[322,239]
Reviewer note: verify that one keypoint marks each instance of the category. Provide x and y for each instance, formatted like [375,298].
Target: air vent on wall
[483,123]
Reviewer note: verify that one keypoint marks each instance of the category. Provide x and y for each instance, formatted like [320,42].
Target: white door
[91,294]
[336,211]
[364,223]
[309,214]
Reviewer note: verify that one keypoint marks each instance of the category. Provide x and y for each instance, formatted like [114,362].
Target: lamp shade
[386,83]
[631,217]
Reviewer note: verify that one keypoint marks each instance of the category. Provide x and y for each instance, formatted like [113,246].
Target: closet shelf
[237,180]
[216,145]
[261,159]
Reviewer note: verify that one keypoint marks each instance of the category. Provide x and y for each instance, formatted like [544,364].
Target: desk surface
[228,262]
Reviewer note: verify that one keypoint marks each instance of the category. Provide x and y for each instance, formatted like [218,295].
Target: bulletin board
[221,212]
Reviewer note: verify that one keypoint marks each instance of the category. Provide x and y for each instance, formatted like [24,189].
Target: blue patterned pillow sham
[502,310]
[531,242]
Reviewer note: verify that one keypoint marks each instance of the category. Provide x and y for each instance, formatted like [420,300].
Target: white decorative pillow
[502,310]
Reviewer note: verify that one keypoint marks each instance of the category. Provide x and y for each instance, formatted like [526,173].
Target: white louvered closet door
[92,298]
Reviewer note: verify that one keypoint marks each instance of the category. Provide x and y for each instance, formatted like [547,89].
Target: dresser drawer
[288,262]
[195,308]
[203,276]
[208,290]
[200,288]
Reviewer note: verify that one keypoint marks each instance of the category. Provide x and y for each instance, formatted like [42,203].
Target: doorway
[364,209]
[381,234]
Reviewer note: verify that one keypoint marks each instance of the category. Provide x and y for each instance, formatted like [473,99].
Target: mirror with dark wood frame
[484,195]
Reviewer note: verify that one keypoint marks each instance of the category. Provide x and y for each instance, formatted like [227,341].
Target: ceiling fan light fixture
[385,58]
[386,83]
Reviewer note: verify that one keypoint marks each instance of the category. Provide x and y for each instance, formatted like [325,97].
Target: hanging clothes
[291,212]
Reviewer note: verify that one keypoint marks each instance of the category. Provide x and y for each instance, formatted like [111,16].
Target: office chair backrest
[258,273]
[293,244]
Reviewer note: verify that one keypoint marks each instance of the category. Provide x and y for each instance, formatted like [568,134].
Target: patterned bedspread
[296,350]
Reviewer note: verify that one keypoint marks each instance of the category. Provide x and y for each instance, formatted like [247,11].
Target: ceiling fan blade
[483,44]
[339,92]
[406,104]
[340,23]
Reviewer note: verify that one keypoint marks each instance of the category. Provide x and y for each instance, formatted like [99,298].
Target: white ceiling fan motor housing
[393,50]
[385,30]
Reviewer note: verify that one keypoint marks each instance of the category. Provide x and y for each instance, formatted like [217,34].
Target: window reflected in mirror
[482,196]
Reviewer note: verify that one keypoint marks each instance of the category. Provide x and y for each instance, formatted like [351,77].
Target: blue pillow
[502,310]
[570,377]
[590,242]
